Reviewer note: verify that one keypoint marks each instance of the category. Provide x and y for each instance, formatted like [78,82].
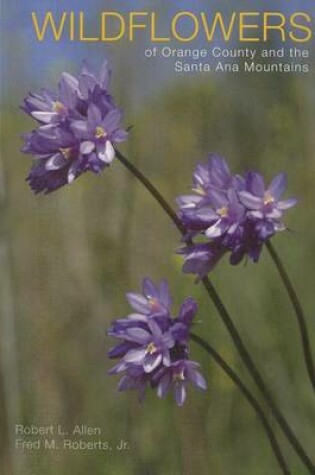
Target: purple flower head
[229,213]
[151,340]
[78,127]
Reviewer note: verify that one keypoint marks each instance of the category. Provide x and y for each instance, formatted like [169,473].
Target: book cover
[157,237]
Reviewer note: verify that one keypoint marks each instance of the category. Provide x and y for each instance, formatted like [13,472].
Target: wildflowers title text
[183,26]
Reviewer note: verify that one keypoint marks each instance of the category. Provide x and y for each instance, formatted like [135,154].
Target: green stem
[298,311]
[248,395]
[246,358]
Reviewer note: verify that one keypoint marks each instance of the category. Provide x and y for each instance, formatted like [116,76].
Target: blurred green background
[67,260]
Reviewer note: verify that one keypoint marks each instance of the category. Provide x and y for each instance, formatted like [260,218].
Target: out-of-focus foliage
[66,261]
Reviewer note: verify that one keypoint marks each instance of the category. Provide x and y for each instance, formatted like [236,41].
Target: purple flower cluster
[77,127]
[232,213]
[153,348]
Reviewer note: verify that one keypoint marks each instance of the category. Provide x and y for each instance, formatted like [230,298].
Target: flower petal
[119,135]
[188,201]
[139,335]
[138,302]
[44,116]
[94,116]
[126,383]
[104,75]
[255,184]
[67,89]
[287,204]
[71,175]
[74,169]
[154,327]
[106,152]
[80,129]
[87,147]
[151,362]
[256,214]
[149,289]
[112,120]
[164,385]
[167,359]
[277,186]
[118,368]
[197,379]
[250,201]
[135,356]
[218,198]
[274,214]
[188,311]
[138,316]
[55,162]
[180,393]
[165,297]
[215,231]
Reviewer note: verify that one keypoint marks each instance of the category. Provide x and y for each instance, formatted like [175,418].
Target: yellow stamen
[179,376]
[268,199]
[66,152]
[58,107]
[100,133]
[199,190]
[154,304]
[223,212]
[151,348]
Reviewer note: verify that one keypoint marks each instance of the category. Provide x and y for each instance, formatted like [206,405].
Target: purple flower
[177,377]
[152,341]
[57,158]
[247,243]
[89,82]
[98,132]
[201,258]
[226,213]
[213,175]
[135,378]
[265,204]
[230,214]
[77,129]
[48,107]
[93,88]
[215,207]
[153,347]
[154,301]
[181,325]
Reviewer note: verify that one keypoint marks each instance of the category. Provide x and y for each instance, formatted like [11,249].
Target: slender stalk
[298,311]
[250,398]
[252,368]
[152,189]
[246,358]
